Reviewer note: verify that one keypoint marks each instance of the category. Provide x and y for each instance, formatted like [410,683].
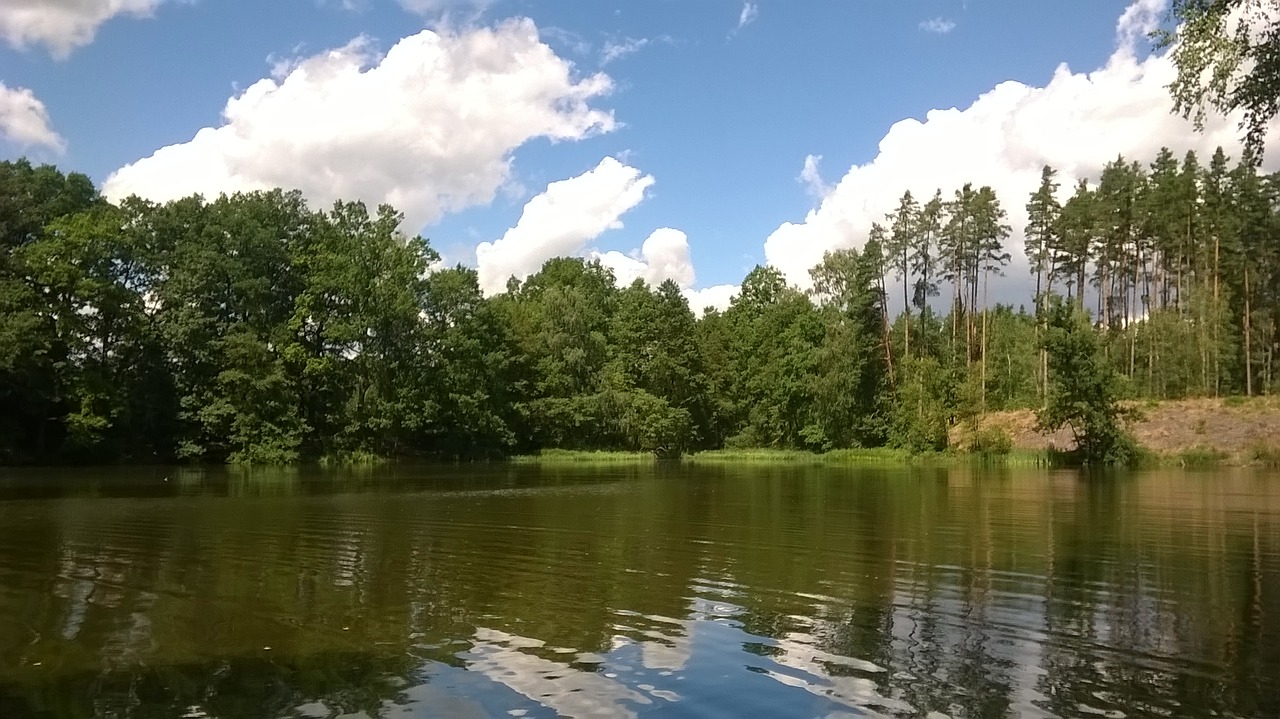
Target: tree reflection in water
[640,591]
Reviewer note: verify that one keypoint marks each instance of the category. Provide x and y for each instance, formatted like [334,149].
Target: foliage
[924,405]
[1083,394]
[1201,457]
[1227,54]
[566,456]
[253,328]
[991,441]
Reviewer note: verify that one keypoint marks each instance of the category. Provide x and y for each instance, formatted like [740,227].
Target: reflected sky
[422,591]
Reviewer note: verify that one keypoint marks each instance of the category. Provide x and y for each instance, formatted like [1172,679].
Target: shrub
[992,440]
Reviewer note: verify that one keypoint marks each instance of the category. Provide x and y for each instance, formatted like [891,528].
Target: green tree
[776,330]
[850,378]
[1083,393]
[1043,245]
[1227,56]
[33,401]
[561,317]
[904,233]
[924,258]
[470,370]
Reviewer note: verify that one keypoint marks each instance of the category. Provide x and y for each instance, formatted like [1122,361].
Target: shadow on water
[428,590]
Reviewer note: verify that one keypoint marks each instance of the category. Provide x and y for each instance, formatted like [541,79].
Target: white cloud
[937,25]
[561,221]
[1077,123]
[63,25]
[811,177]
[615,49]
[24,120]
[663,256]
[428,127]
[718,297]
[568,39]
[565,219]
[750,11]
[1138,21]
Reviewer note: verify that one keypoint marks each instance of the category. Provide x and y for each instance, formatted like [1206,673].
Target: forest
[253,328]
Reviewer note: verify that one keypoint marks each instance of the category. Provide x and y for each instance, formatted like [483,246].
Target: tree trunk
[1044,354]
[985,276]
[906,308]
[1271,344]
[1248,350]
[955,317]
[1217,322]
[888,345]
[1133,312]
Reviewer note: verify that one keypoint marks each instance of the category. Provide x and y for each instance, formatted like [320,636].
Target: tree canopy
[1227,55]
[255,328]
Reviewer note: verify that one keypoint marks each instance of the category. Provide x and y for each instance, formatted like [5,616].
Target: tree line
[253,328]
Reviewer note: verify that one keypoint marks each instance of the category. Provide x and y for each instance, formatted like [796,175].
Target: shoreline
[1189,458]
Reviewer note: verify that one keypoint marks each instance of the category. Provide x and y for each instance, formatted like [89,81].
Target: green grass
[754,456]
[358,458]
[1193,458]
[1200,458]
[1265,456]
[573,456]
[874,457]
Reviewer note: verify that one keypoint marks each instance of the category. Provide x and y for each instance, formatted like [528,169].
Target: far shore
[1194,433]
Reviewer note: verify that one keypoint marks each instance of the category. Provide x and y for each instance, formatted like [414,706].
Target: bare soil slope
[1236,426]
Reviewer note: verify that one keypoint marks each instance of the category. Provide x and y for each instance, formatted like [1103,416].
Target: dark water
[721,592]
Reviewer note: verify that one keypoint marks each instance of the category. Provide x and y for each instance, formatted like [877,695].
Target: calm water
[722,592]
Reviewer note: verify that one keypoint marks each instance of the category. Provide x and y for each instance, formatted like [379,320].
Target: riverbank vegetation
[253,328]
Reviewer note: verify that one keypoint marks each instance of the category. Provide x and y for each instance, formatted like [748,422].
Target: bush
[1084,392]
[1266,456]
[992,441]
[1201,457]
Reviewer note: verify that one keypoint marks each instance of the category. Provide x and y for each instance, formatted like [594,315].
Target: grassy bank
[352,459]
[572,456]
[874,457]
[1191,434]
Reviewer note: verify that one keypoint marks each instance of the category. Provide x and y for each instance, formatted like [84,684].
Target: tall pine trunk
[1248,349]
[906,308]
[1217,321]
[986,274]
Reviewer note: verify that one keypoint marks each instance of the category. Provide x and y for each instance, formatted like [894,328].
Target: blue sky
[710,109]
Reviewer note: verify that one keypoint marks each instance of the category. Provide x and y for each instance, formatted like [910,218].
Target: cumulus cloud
[937,25]
[811,177]
[428,127]
[63,25]
[561,221]
[716,297]
[1077,123]
[1137,22]
[24,120]
[567,218]
[663,256]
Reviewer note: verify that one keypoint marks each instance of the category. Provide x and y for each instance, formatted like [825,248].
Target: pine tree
[1042,246]
[903,226]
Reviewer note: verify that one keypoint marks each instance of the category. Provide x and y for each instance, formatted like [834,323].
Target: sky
[670,139]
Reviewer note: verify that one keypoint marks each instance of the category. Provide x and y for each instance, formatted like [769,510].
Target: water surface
[426,591]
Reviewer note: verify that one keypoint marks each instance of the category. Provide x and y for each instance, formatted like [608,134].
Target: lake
[625,591]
